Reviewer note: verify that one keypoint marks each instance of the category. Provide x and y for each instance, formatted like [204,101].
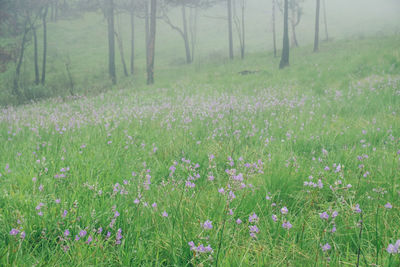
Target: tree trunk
[285,50]
[243,46]
[56,11]
[132,38]
[185,36]
[121,52]
[19,64]
[35,54]
[111,41]
[147,29]
[325,20]
[152,41]
[44,44]
[230,29]
[193,30]
[273,26]
[294,37]
[316,40]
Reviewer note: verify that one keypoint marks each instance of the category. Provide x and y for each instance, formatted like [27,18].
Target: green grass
[278,121]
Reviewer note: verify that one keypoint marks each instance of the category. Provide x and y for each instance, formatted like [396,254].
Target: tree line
[22,18]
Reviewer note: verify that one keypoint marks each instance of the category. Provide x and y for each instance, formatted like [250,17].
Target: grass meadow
[293,167]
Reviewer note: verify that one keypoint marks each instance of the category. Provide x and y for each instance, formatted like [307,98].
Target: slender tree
[240,25]
[229,6]
[111,41]
[325,20]
[316,39]
[132,16]
[35,49]
[20,59]
[44,22]
[147,29]
[121,47]
[273,26]
[285,50]
[152,42]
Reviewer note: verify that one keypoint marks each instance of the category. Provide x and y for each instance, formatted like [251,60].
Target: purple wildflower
[284,210]
[326,247]
[287,225]
[14,231]
[324,215]
[253,218]
[207,225]
[388,205]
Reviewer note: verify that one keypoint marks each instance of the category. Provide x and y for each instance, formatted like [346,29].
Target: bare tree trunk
[185,36]
[294,37]
[35,54]
[111,41]
[71,80]
[325,20]
[44,44]
[285,50]
[19,64]
[230,29]
[132,37]
[273,26]
[152,41]
[193,30]
[121,52]
[52,10]
[243,46]
[56,10]
[147,30]
[316,40]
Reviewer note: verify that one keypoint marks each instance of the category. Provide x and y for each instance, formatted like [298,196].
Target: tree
[273,26]
[325,20]
[316,37]
[44,22]
[151,42]
[240,25]
[188,30]
[229,7]
[111,40]
[285,50]
[296,12]
[132,17]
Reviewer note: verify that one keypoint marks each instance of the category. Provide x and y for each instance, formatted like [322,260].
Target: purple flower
[324,215]
[207,225]
[253,218]
[66,233]
[82,233]
[287,225]
[357,208]
[326,247]
[388,205]
[335,214]
[274,217]
[221,190]
[14,231]
[22,236]
[284,210]
[65,213]
[154,205]
[238,221]
[116,214]
[165,214]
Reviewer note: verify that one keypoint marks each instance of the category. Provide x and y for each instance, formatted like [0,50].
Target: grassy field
[298,167]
